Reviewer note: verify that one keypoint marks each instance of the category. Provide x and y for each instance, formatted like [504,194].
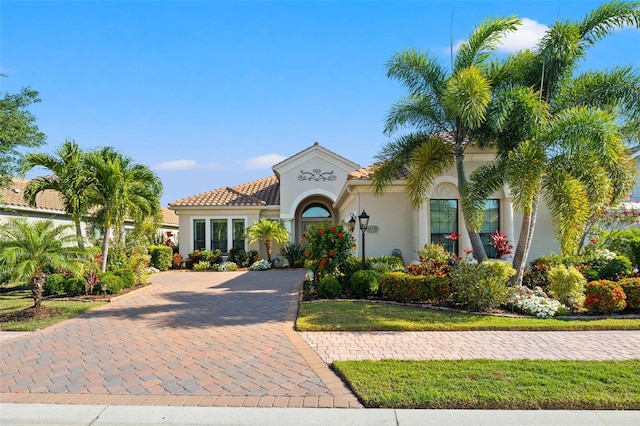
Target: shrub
[203,265]
[114,284]
[364,283]
[567,282]
[225,267]
[634,251]
[481,287]
[604,296]
[434,259]
[404,287]
[139,264]
[538,306]
[624,242]
[238,256]
[615,269]
[176,261]
[329,287]
[75,286]
[54,284]
[161,257]
[260,265]
[195,257]
[294,253]
[127,275]
[631,288]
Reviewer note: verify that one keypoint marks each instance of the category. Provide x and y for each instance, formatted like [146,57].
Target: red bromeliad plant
[328,248]
[501,243]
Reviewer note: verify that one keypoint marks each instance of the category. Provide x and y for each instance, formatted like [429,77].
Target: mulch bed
[43,312]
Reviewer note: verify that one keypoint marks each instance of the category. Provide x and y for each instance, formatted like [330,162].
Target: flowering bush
[433,259]
[604,296]
[328,246]
[538,306]
[501,243]
[260,265]
[631,288]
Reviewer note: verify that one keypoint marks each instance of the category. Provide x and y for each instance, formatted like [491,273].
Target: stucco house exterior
[49,205]
[317,184]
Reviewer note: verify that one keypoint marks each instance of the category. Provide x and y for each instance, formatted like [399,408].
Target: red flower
[340,234]
[307,253]
[321,231]
[330,252]
[452,236]
[333,229]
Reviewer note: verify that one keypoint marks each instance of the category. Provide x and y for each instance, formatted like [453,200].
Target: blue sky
[212,94]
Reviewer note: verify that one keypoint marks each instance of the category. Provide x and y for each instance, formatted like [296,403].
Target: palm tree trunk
[105,248]
[267,244]
[76,220]
[37,286]
[519,258]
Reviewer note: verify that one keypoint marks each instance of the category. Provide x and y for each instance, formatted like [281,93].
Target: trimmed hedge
[329,287]
[127,275]
[114,283]
[54,284]
[405,287]
[364,283]
[161,257]
[75,286]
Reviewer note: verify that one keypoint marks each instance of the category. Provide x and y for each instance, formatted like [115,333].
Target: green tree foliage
[29,250]
[443,107]
[18,129]
[120,188]
[69,179]
[268,231]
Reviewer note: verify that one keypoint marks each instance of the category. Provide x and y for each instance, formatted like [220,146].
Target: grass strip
[368,316]
[493,384]
[19,299]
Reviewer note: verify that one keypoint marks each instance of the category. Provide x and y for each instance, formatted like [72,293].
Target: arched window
[316,211]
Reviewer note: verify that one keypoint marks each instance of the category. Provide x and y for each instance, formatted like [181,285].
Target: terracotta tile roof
[12,195]
[261,192]
[366,173]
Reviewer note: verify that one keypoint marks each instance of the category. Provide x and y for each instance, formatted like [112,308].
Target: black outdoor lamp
[352,223]
[364,224]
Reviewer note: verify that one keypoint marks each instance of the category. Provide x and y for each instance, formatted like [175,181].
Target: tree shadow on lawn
[250,298]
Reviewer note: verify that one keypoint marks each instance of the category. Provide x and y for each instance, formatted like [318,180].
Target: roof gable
[315,150]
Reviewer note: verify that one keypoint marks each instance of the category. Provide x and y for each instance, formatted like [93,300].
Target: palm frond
[467,96]
[484,181]
[422,112]
[429,160]
[484,39]
[523,171]
[609,17]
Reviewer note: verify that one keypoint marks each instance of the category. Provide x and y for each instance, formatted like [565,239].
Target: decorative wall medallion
[446,190]
[317,175]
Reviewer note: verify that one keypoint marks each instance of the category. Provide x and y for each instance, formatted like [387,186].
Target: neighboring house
[317,184]
[49,206]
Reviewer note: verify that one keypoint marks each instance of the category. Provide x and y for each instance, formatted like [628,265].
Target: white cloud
[263,161]
[527,36]
[175,165]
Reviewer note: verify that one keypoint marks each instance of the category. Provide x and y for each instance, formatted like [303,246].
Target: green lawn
[490,384]
[20,298]
[361,316]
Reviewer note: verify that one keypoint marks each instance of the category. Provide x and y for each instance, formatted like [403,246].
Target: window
[444,220]
[219,235]
[199,234]
[238,233]
[490,224]
[315,211]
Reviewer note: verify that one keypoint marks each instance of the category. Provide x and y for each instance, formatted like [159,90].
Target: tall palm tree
[538,98]
[28,250]
[443,107]
[269,231]
[69,180]
[119,189]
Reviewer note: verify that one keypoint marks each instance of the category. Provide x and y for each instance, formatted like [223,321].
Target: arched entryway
[313,210]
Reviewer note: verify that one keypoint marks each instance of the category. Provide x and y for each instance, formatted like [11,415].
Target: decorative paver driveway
[210,339]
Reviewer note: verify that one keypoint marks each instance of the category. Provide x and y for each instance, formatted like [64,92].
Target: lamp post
[364,224]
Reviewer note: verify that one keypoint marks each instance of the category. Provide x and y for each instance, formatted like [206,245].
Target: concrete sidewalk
[104,415]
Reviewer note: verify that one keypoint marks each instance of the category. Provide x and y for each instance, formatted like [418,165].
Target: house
[49,205]
[317,184]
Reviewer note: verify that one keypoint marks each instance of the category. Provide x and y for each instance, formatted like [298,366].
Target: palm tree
[556,133]
[28,250]
[69,180]
[443,107]
[269,231]
[119,189]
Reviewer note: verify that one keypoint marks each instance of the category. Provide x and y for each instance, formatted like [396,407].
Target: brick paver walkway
[202,339]
[570,345]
